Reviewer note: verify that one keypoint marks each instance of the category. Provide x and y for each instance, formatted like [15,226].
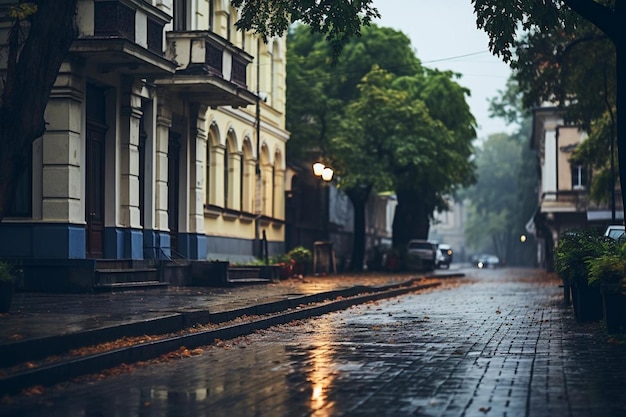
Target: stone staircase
[120,274]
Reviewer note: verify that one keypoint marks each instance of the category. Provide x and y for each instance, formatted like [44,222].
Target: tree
[502,21]
[324,119]
[38,41]
[318,88]
[376,127]
[384,121]
[339,21]
[434,159]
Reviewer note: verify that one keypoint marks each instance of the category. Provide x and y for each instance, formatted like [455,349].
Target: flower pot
[6,295]
[299,268]
[614,311]
[587,302]
[285,271]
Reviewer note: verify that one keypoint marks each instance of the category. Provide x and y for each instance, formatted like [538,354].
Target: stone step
[134,285]
[125,275]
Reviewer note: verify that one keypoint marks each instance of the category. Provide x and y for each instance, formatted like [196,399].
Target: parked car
[484,261]
[615,231]
[421,254]
[444,255]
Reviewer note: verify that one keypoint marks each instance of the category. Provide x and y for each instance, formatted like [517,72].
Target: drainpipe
[257,234]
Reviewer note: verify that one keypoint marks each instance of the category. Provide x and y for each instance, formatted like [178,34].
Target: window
[207,174]
[226,168]
[180,15]
[579,177]
[242,180]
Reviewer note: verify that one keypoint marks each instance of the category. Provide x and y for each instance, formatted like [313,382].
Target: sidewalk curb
[54,373]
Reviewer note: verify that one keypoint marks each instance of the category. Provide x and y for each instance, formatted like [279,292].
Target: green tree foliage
[434,159]
[337,20]
[569,53]
[384,121]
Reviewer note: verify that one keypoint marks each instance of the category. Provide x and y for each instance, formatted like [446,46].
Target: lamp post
[323,254]
[325,173]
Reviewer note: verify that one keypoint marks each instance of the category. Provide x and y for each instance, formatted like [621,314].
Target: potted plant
[573,251]
[285,265]
[7,286]
[608,272]
[301,257]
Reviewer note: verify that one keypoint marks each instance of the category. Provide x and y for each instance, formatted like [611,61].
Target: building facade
[564,202]
[165,139]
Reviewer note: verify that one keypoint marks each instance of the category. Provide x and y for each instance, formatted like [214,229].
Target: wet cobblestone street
[496,343]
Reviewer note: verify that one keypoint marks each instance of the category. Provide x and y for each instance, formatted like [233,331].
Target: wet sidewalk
[40,315]
[494,343]
[44,336]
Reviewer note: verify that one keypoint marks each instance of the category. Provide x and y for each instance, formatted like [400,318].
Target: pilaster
[130,118]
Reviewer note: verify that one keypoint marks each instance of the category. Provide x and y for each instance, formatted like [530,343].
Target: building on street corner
[564,201]
[165,139]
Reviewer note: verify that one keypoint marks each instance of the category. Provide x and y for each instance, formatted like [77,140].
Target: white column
[549,176]
[163,124]
[197,146]
[130,118]
[62,153]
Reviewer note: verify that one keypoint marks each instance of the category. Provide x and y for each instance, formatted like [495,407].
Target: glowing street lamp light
[318,169]
[327,174]
[321,170]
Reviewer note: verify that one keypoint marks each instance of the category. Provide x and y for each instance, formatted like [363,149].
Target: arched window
[242,180]
[226,180]
[207,173]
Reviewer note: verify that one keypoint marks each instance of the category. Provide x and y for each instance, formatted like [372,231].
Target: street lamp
[323,254]
[321,170]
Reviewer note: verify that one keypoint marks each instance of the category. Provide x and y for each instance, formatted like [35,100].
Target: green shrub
[609,268]
[6,272]
[575,249]
[300,254]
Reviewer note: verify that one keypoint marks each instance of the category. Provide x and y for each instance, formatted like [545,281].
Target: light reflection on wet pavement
[501,344]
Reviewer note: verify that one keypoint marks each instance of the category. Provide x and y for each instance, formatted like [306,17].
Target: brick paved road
[497,343]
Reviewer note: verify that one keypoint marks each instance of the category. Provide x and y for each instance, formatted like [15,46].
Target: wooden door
[94,206]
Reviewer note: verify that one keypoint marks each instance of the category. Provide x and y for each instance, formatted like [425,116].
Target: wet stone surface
[497,343]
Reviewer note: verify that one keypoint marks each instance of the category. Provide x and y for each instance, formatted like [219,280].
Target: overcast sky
[444,36]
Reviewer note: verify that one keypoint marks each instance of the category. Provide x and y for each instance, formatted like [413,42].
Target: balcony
[565,201]
[125,36]
[211,70]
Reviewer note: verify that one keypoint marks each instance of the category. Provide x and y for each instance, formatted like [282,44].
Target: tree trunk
[411,219]
[27,87]
[358,196]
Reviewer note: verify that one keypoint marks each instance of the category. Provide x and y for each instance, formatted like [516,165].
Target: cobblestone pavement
[496,343]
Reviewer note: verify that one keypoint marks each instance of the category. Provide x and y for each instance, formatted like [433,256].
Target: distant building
[564,201]
[449,227]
